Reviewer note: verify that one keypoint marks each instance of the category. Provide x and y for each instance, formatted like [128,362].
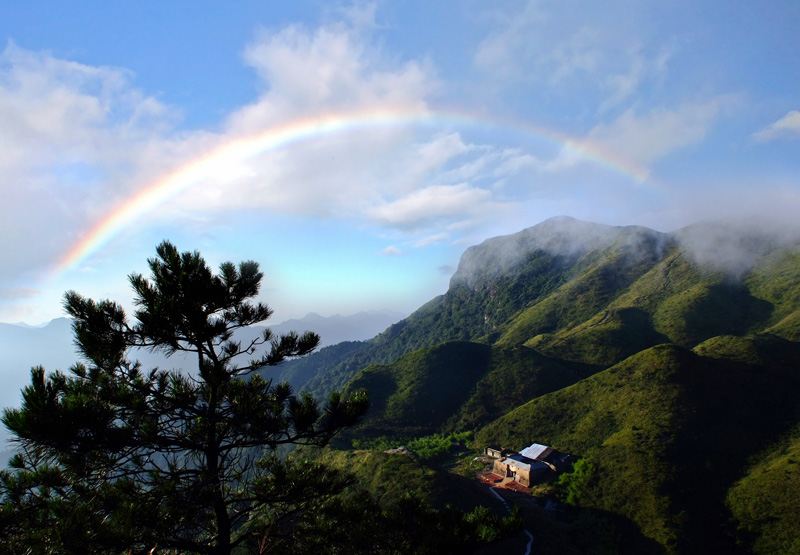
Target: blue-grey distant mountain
[335,329]
[23,347]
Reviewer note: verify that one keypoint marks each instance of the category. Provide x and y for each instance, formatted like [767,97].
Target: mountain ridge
[668,370]
[562,272]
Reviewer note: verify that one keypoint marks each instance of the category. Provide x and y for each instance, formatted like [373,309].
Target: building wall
[500,468]
[521,475]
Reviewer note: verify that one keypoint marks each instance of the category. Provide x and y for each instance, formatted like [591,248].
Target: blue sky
[502,114]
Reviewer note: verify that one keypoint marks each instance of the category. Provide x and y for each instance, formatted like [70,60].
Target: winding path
[508,508]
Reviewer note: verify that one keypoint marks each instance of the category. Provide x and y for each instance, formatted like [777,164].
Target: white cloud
[788,127]
[362,170]
[332,68]
[432,239]
[391,250]
[587,49]
[639,139]
[434,204]
[72,142]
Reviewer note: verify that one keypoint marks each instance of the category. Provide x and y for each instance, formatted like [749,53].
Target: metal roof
[536,451]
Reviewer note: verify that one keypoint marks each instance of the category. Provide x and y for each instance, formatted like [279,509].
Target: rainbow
[292,132]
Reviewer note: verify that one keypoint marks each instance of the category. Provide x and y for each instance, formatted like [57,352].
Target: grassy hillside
[596,279]
[514,376]
[456,386]
[766,501]
[668,432]
[777,281]
[416,394]
[605,339]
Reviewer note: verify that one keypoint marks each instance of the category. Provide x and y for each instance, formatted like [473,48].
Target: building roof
[517,463]
[537,452]
[539,467]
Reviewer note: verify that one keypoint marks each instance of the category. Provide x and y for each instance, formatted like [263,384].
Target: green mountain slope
[416,394]
[668,432]
[671,362]
[777,281]
[457,385]
[766,501]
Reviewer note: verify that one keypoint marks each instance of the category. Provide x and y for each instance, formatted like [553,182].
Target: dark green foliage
[388,476]
[359,524]
[112,458]
[418,393]
[399,504]
[298,372]
[581,531]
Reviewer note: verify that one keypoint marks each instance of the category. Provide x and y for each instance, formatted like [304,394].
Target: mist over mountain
[562,236]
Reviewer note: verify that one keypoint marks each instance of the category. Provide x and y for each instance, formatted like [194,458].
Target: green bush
[427,448]
[572,485]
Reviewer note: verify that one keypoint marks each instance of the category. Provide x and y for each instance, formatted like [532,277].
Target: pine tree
[113,458]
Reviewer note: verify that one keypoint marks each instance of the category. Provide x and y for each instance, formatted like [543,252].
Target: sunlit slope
[605,339]
[675,301]
[766,502]
[596,279]
[668,432]
[777,281]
